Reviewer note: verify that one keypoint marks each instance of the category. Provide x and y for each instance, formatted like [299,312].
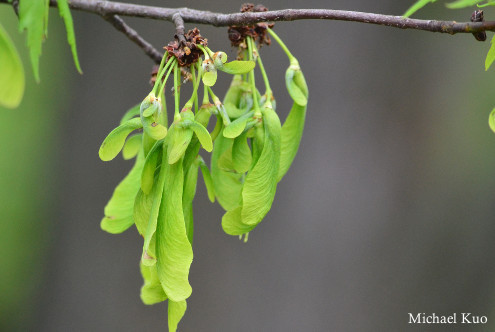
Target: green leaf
[292,131]
[150,164]
[490,57]
[227,185]
[142,208]
[152,291]
[33,17]
[119,210]
[114,142]
[173,249]
[180,138]
[241,154]
[132,146]
[491,120]
[235,128]
[238,67]
[63,8]
[131,113]
[210,78]
[203,135]
[12,78]
[296,86]
[463,3]
[176,311]
[207,179]
[417,6]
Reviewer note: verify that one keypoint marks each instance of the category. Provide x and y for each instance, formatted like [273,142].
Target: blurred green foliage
[27,177]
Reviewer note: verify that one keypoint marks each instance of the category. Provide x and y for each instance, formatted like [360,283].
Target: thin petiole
[292,59]
[252,81]
[263,72]
[176,91]
[158,83]
[195,92]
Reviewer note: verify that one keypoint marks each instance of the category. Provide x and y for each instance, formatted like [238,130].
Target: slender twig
[217,19]
[179,28]
[132,34]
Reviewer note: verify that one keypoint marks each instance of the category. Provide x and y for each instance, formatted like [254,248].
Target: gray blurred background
[387,209]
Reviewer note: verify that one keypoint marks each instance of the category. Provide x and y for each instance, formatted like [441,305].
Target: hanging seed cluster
[250,153]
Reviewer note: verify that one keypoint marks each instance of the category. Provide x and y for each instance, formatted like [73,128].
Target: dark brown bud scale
[237,34]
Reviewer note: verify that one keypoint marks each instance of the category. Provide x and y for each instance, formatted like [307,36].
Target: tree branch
[217,19]
[179,28]
[132,34]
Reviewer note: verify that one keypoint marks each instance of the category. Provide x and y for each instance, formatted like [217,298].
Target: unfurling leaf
[417,6]
[114,142]
[12,73]
[490,57]
[33,17]
[63,8]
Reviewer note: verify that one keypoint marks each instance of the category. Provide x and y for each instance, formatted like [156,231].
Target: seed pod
[131,113]
[238,67]
[176,311]
[132,146]
[219,58]
[227,185]
[114,142]
[207,179]
[241,154]
[209,73]
[173,249]
[180,138]
[152,291]
[296,85]
[203,135]
[260,185]
[292,131]
[119,209]
[235,128]
[150,164]
[190,182]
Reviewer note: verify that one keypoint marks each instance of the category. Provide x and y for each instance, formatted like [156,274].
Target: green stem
[253,84]
[195,92]
[292,59]
[176,91]
[220,108]
[159,82]
[263,72]
[205,52]
[162,63]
